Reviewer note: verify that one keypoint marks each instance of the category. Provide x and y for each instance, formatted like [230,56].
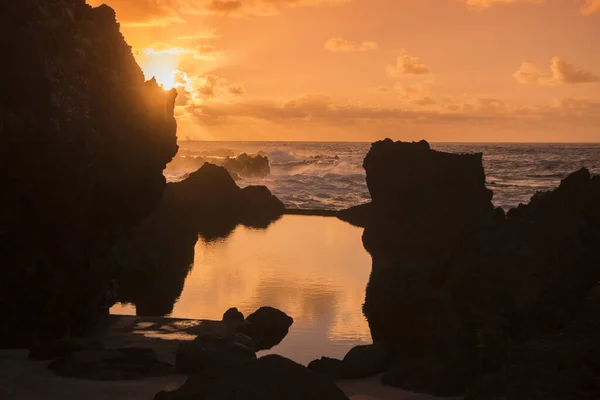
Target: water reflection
[313,268]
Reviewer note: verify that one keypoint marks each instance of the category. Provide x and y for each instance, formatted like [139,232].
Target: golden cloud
[590,7]
[561,72]
[339,44]
[408,65]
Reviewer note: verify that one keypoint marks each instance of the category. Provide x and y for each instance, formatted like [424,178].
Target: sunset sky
[359,70]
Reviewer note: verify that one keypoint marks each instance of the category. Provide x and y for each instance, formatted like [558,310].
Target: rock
[258,207]
[269,377]
[358,216]
[366,361]
[103,365]
[248,166]
[424,204]
[233,316]
[559,366]
[207,352]
[266,327]
[329,367]
[84,144]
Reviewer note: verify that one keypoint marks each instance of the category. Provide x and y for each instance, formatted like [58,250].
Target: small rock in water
[365,361]
[267,327]
[233,316]
[330,367]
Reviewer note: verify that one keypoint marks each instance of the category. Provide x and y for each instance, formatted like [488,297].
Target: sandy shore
[21,378]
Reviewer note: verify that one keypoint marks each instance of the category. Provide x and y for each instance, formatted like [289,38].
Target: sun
[162,66]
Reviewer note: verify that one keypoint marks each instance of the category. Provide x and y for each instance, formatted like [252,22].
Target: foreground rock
[269,377]
[455,284]
[104,364]
[210,352]
[359,216]
[84,143]
[360,362]
[266,327]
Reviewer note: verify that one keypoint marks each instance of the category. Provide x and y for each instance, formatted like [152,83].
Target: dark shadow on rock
[358,216]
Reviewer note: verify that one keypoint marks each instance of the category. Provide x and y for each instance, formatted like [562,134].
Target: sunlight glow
[163,66]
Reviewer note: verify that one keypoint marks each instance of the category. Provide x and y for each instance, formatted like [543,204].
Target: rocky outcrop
[359,216]
[424,203]
[270,377]
[360,362]
[267,327]
[84,141]
[155,259]
[247,166]
[455,284]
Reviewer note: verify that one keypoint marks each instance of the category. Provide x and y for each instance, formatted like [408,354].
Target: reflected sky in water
[313,268]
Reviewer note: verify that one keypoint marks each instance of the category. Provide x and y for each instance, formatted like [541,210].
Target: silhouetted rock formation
[206,352]
[360,362]
[84,142]
[456,284]
[156,258]
[270,377]
[266,327]
[424,203]
[248,166]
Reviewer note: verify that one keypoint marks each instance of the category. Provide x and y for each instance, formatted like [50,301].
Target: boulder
[266,327]
[109,365]
[207,352]
[270,377]
[258,207]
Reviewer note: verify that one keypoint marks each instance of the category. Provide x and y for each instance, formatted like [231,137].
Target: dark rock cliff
[84,140]
[456,286]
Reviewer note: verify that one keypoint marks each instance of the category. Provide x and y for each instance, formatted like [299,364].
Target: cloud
[483,4]
[590,7]
[561,72]
[247,7]
[408,65]
[339,44]
[208,33]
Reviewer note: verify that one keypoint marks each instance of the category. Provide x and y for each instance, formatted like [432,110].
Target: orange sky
[360,70]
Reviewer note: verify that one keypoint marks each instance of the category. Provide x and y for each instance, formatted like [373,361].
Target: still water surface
[313,268]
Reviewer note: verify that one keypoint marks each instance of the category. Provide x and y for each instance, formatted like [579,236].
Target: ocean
[330,176]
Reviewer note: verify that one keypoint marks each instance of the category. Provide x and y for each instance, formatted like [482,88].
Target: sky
[362,70]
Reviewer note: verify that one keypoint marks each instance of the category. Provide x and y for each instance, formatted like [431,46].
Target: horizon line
[362,142]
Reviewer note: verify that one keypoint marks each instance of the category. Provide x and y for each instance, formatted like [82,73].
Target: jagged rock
[330,367]
[365,361]
[84,142]
[103,364]
[268,378]
[358,216]
[266,327]
[248,166]
[207,352]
